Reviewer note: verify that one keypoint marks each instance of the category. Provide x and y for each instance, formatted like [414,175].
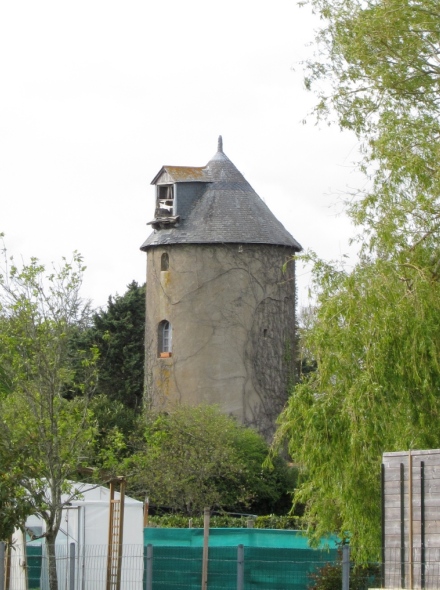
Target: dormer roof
[172,174]
[228,210]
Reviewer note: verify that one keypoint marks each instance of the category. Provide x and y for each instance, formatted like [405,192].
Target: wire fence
[229,568]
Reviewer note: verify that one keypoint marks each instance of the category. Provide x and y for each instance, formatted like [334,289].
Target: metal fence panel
[179,568]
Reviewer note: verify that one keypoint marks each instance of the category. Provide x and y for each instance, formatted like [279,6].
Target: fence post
[2,565]
[72,567]
[240,567]
[206,519]
[149,572]
[345,567]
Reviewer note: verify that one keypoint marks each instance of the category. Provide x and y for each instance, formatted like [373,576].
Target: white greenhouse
[82,545]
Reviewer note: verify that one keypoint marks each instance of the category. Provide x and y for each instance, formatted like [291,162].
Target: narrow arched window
[164,261]
[164,338]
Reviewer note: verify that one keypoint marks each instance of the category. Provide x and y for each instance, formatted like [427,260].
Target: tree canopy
[376,343]
[44,436]
[378,71]
[374,335]
[118,331]
[196,456]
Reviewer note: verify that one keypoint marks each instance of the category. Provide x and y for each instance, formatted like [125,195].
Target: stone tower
[220,323]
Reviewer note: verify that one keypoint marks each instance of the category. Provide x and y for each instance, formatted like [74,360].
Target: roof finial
[220,144]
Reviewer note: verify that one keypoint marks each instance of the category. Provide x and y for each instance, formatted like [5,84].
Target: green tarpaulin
[273,559]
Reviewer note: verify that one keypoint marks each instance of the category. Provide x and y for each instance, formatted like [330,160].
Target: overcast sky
[95,96]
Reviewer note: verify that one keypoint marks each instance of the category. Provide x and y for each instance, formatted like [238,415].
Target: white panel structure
[85,524]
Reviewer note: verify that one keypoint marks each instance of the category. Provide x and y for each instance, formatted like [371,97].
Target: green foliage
[373,336]
[379,61]
[271,486]
[271,521]
[283,522]
[196,457]
[14,504]
[119,432]
[118,332]
[112,414]
[376,342]
[44,437]
[329,577]
[5,383]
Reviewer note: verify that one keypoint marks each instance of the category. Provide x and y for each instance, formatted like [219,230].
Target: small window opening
[164,339]
[164,261]
[265,333]
[165,200]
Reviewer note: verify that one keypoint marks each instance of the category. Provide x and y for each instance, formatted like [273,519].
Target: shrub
[329,576]
[225,521]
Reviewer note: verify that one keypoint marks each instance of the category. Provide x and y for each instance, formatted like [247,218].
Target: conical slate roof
[227,211]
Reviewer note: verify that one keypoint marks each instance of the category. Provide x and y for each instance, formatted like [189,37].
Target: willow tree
[375,334]
[380,61]
[44,437]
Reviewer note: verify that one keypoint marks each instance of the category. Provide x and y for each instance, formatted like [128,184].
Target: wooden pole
[206,517]
[121,531]
[146,509]
[2,564]
[115,535]
[8,565]
[110,544]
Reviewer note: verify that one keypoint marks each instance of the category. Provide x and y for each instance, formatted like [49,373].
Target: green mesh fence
[273,560]
[33,559]
[264,568]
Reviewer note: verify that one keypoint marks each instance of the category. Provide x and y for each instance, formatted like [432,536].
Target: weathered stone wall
[232,312]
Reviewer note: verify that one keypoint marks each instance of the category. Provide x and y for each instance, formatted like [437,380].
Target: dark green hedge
[271,521]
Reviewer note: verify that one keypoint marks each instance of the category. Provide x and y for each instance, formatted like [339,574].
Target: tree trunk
[52,562]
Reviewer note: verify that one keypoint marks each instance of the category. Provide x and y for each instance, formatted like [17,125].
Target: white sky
[95,96]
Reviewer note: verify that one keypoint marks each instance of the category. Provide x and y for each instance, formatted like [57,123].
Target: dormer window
[165,200]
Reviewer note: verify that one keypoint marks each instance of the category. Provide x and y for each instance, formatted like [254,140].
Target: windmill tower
[220,325]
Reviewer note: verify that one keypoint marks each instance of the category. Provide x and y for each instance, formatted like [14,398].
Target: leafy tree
[379,61]
[5,383]
[196,457]
[271,486]
[43,436]
[376,341]
[14,502]
[113,415]
[118,333]
[374,336]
